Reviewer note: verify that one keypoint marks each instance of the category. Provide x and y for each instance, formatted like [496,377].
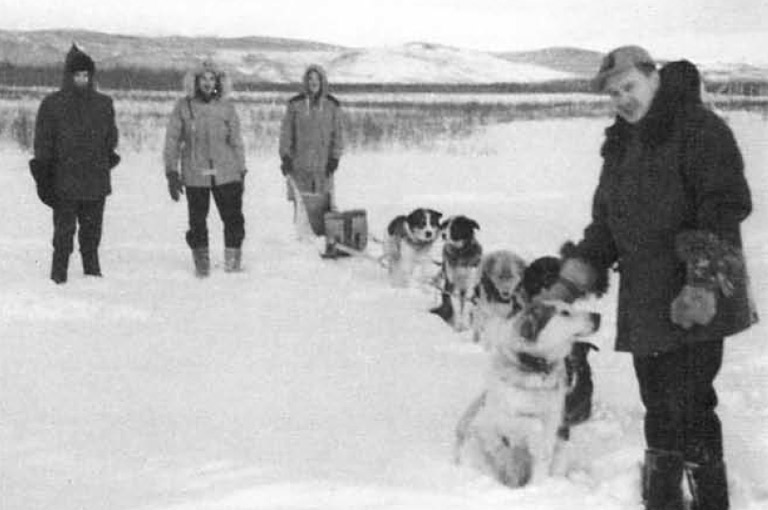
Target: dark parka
[678,169]
[75,138]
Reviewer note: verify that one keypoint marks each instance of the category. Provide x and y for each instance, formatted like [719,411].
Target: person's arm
[45,136]
[236,140]
[173,135]
[287,139]
[585,266]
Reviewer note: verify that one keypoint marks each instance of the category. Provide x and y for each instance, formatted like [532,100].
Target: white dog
[513,430]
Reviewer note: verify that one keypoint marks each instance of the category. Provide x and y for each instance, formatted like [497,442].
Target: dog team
[666,217]
[539,382]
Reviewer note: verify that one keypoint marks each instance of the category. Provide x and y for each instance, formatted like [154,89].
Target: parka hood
[324,87]
[223,85]
[77,60]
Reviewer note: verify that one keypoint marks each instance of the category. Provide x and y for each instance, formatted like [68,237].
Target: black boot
[59,266]
[578,400]
[708,484]
[662,480]
[91,266]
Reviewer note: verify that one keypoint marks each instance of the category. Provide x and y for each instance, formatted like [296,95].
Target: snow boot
[708,485]
[578,400]
[232,260]
[59,267]
[202,262]
[662,480]
[91,266]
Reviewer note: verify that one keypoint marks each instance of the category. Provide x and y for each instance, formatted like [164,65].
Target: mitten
[175,186]
[694,305]
[331,166]
[287,165]
[711,268]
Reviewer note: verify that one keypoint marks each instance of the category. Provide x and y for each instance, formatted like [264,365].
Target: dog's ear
[438,215]
[474,224]
[392,227]
[445,224]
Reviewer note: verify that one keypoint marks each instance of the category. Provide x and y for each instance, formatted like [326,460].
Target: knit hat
[78,61]
[619,60]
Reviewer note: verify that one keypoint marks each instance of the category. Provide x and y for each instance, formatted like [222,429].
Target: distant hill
[274,60]
[575,61]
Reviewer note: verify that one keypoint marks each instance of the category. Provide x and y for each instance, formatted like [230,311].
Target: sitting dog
[512,431]
[462,254]
[498,291]
[408,245]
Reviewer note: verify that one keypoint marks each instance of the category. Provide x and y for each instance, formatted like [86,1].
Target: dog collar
[530,363]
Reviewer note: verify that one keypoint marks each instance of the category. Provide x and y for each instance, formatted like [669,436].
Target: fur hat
[77,60]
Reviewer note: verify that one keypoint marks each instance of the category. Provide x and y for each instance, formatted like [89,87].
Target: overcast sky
[701,30]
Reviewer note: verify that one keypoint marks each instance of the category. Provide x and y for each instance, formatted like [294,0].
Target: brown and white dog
[408,244]
[498,290]
[462,255]
[512,431]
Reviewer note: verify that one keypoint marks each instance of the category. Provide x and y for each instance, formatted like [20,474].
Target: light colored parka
[204,138]
[312,133]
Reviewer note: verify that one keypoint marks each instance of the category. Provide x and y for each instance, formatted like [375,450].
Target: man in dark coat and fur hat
[75,141]
[666,216]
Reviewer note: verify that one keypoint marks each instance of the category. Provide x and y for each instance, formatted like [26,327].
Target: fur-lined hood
[324,87]
[223,85]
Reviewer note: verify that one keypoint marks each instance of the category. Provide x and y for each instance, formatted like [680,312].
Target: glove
[694,305]
[287,165]
[562,290]
[331,166]
[175,186]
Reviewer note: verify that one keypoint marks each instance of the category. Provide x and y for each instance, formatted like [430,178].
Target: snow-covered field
[312,384]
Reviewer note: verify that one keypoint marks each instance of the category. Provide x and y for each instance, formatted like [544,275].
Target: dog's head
[548,329]
[423,224]
[541,274]
[459,231]
[503,270]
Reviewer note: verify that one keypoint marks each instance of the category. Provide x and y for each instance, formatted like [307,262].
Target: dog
[512,431]
[497,293]
[408,245]
[460,269]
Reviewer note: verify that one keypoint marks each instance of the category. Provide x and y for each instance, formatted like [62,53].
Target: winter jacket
[75,139]
[312,133]
[678,170]
[204,137]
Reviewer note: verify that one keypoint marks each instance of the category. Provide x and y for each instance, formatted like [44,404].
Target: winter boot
[202,262]
[662,480]
[708,484]
[232,259]
[91,265]
[59,266]
[578,400]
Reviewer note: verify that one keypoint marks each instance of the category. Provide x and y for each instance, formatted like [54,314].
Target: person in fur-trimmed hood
[75,141]
[666,215]
[311,135]
[204,155]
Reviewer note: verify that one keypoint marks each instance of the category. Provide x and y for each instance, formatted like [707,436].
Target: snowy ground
[311,384]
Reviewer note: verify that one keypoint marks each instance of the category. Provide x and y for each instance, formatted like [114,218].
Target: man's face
[207,83]
[80,79]
[632,93]
[313,82]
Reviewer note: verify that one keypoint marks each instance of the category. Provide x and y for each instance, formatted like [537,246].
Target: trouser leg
[64,227]
[677,389]
[229,202]
[90,214]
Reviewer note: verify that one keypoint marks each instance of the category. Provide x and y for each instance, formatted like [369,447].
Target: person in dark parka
[666,215]
[74,153]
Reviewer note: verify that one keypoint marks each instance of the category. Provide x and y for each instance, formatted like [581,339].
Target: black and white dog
[408,244]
